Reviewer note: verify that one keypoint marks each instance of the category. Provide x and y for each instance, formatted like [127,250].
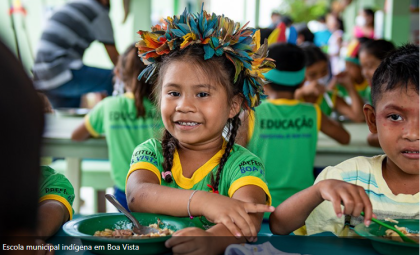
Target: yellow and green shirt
[55,186]
[284,134]
[116,118]
[241,169]
[363,89]
[367,173]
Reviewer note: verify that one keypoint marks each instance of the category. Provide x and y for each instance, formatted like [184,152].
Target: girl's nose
[185,105]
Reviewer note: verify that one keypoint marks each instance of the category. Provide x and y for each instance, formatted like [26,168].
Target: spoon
[403,237]
[137,228]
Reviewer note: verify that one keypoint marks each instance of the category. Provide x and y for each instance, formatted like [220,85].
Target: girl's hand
[353,197]
[313,89]
[232,213]
[185,241]
[344,79]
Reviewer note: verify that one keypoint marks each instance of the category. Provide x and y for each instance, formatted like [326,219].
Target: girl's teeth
[188,123]
[411,152]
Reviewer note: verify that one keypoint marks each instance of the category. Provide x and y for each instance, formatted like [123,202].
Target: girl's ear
[235,106]
[370,117]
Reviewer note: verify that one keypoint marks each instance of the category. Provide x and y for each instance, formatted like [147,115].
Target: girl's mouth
[411,154]
[184,123]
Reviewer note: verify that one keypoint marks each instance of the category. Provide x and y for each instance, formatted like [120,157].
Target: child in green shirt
[205,73]
[283,132]
[126,120]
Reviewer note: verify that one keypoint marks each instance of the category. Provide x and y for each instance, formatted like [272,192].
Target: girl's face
[369,64]
[355,72]
[316,71]
[194,107]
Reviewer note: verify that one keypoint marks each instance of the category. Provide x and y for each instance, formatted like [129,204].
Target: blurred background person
[365,23]
[336,27]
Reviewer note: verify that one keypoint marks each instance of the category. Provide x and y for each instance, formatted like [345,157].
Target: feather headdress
[219,36]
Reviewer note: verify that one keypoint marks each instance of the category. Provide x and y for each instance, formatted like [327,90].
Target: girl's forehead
[185,73]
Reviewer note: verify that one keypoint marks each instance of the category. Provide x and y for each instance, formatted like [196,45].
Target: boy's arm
[51,216]
[334,130]
[81,133]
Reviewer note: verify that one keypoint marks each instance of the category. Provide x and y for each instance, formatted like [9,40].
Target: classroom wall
[29,28]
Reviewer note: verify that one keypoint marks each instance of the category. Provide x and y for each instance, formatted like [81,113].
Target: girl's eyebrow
[198,86]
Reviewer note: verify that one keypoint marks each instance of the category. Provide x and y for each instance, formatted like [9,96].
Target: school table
[57,144]
[321,244]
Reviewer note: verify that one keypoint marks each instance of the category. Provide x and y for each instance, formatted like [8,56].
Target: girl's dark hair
[371,13]
[130,66]
[288,57]
[219,68]
[399,70]
[302,29]
[377,48]
[313,54]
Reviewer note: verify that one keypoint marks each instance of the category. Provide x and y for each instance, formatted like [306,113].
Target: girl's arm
[80,133]
[354,111]
[145,194]
[212,244]
[292,213]
[334,130]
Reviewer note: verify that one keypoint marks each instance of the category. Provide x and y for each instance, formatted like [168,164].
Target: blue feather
[177,32]
[208,32]
[208,52]
[194,28]
[219,52]
[184,27]
[215,42]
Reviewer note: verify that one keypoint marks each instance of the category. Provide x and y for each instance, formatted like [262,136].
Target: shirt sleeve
[94,121]
[103,31]
[323,217]
[248,171]
[55,186]
[145,157]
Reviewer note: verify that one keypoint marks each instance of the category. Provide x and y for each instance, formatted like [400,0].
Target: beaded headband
[219,36]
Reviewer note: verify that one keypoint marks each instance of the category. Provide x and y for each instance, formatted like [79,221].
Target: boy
[284,132]
[386,185]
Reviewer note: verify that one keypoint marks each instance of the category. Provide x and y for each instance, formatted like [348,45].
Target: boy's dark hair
[399,70]
[377,48]
[288,57]
[130,66]
[313,54]
[219,68]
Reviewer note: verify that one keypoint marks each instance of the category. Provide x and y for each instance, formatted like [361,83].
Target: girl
[365,24]
[315,89]
[204,72]
[336,27]
[371,54]
[126,120]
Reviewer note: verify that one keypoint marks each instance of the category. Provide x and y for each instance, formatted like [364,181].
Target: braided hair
[219,68]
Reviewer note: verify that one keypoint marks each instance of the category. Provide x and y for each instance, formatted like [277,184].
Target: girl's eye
[395,117]
[174,94]
[203,94]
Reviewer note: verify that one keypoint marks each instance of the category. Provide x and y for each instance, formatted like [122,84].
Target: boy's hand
[233,213]
[353,197]
[185,241]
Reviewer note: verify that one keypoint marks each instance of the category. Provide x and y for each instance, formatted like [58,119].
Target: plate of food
[386,241]
[113,231]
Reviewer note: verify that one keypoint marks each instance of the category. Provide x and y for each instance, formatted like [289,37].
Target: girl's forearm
[356,105]
[154,198]
[292,213]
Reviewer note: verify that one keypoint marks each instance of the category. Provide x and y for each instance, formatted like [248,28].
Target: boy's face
[395,119]
[354,71]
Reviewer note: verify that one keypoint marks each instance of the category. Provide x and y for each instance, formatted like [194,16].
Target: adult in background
[365,23]
[58,70]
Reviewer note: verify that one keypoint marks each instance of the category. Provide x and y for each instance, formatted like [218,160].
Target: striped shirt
[367,173]
[67,34]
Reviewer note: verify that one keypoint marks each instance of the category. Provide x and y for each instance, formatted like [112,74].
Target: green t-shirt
[241,169]
[116,118]
[363,89]
[55,186]
[323,104]
[284,134]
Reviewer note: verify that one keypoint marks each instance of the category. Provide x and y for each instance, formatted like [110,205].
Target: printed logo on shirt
[56,190]
[286,124]
[251,166]
[124,116]
[144,156]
